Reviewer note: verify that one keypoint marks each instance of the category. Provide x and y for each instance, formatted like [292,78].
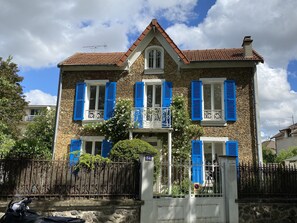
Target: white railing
[151,117]
[181,180]
[29,118]
[94,114]
[213,114]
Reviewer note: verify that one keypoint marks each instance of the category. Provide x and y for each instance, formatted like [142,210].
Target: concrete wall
[285,142]
[93,211]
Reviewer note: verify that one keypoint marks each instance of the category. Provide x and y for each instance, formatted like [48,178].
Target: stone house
[286,138]
[219,85]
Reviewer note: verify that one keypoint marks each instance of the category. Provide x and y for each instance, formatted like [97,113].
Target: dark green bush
[130,149]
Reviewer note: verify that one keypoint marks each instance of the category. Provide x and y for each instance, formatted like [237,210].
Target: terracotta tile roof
[92,59]
[191,55]
[187,56]
[233,54]
[154,23]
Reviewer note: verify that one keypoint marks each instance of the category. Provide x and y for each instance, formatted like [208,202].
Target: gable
[153,30]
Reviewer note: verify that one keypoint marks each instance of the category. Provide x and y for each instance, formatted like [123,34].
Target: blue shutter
[230,100]
[79,102]
[110,99]
[106,147]
[166,102]
[139,103]
[197,162]
[75,146]
[232,149]
[196,98]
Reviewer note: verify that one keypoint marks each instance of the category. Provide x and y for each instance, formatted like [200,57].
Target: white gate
[207,202]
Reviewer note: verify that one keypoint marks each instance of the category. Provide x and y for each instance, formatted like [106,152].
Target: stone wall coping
[76,204]
[267,200]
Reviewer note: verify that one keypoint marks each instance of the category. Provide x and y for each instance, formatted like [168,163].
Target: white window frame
[212,140]
[92,139]
[154,70]
[213,122]
[90,83]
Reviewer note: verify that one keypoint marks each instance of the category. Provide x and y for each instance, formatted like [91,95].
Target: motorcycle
[19,212]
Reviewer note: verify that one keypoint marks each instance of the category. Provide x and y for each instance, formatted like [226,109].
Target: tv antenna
[95,47]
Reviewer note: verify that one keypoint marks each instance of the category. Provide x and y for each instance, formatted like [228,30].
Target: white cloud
[277,102]
[37,97]
[272,26]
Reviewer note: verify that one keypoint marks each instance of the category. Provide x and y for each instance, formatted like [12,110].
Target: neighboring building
[31,111]
[270,145]
[220,87]
[286,138]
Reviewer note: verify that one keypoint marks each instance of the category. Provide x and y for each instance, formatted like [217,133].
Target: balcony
[156,117]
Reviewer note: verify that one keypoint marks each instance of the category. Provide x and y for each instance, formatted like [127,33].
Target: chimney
[247,47]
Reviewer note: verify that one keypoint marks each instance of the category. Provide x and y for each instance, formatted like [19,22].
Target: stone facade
[273,211]
[242,130]
[91,211]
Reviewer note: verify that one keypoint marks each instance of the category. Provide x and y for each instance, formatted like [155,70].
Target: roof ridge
[153,23]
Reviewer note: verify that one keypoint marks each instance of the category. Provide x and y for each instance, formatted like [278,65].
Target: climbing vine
[183,129]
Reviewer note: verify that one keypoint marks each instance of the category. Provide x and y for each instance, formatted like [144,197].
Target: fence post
[229,187]
[146,187]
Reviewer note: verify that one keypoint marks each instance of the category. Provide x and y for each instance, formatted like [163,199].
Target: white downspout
[258,133]
[57,113]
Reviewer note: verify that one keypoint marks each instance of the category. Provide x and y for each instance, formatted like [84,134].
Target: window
[205,156]
[152,104]
[213,101]
[154,59]
[93,147]
[35,111]
[94,100]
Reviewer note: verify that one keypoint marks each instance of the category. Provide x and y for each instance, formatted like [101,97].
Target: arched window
[154,59]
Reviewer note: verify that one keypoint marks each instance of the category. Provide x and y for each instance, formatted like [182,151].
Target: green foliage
[12,102]
[285,154]
[115,128]
[89,161]
[38,137]
[268,155]
[184,131]
[130,149]
[6,140]
[182,188]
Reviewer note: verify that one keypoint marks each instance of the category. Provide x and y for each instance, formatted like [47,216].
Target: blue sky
[39,34]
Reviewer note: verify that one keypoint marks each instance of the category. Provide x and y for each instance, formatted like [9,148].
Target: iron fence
[182,182]
[39,178]
[267,181]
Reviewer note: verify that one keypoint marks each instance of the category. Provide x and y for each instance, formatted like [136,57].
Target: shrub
[89,161]
[130,149]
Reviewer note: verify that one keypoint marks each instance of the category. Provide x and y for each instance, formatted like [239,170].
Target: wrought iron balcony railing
[213,114]
[94,114]
[156,117]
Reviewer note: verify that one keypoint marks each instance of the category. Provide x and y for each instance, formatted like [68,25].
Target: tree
[12,102]
[285,154]
[38,137]
[268,155]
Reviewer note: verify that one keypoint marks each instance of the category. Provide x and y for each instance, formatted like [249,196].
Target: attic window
[154,60]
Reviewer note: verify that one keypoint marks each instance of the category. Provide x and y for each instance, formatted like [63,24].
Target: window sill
[153,71]
[213,123]
[85,121]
